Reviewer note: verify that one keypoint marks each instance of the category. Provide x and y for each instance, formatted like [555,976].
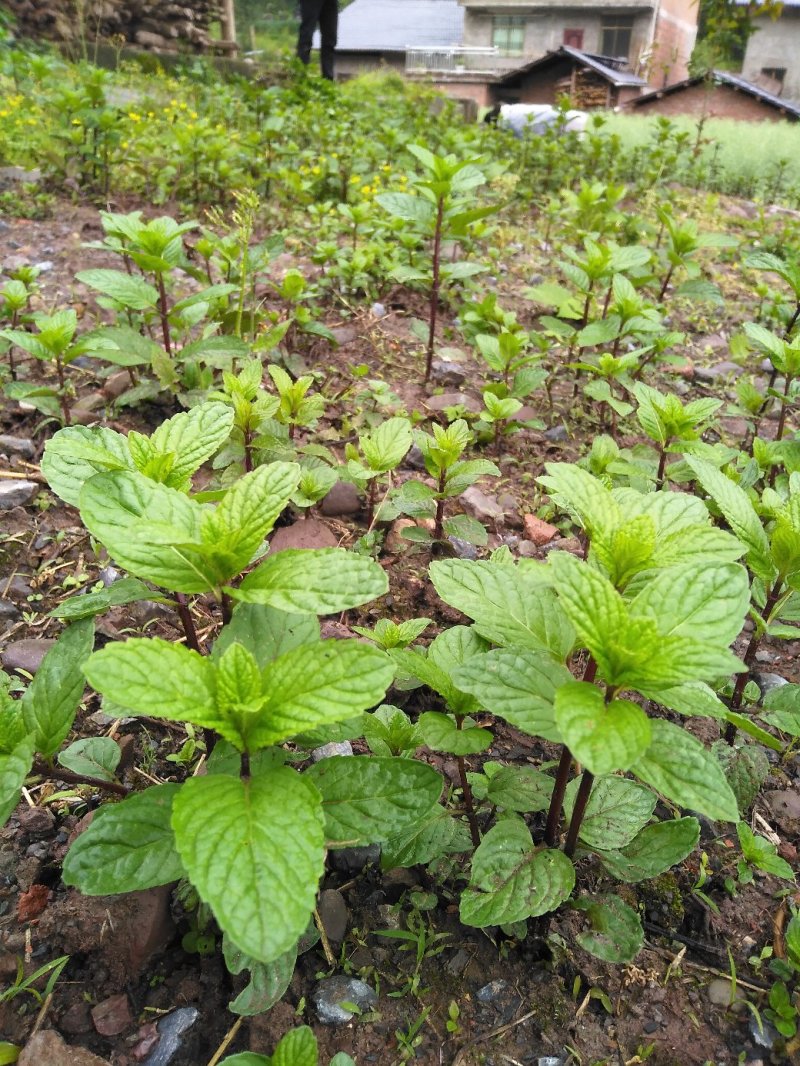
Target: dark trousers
[326,13]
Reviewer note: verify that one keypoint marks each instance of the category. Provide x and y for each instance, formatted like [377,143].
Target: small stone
[146,1040]
[526,549]
[494,990]
[538,531]
[108,575]
[463,549]
[328,751]
[116,384]
[395,543]
[178,1039]
[414,458]
[86,409]
[784,805]
[480,505]
[47,1048]
[27,654]
[550,1060]
[344,334]
[763,1035]
[23,446]
[343,498]
[721,993]
[330,993]
[333,914]
[32,903]
[44,266]
[456,966]
[719,370]
[445,372]
[16,493]
[8,612]
[378,310]
[112,1016]
[76,1018]
[556,434]
[307,533]
[651,1027]
[37,822]
[353,860]
[768,682]
[453,399]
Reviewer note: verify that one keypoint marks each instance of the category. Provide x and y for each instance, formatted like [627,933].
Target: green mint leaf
[762,854]
[126,590]
[259,873]
[266,632]
[512,880]
[508,608]
[158,679]
[582,496]
[319,684]
[653,851]
[518,685]
[441,733]
[131,291]
[679,767]
[128,847]
[268,981]
[705,604]
[385,447]
[52,698]
[76,453]
[605,737]
[92,757]
[313,581]
[14,768]
[617,810]
[429,838]
[616,935]
[297,1048]
[520,788]
[367,800]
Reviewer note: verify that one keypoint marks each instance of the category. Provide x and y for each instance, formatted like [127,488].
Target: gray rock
[446,372]
[8,612]
[480,505]
[87,408]
[37,821]
[458,963]
[179,1038]
[414,458]
[23,446]
[767,682]
[550,1060]
[378,310]
[328,751]
[17,588]
[444,400]
[719,370]
[45,266]
[556,434]
[720,992]
[330,993]
[307,533]
[353,860]
[765,1035]
[47,1048]
[463,549]
[343,498]
[108,575]
[15,493]
[494,990]
[333,914]
[10,176]
[27,654]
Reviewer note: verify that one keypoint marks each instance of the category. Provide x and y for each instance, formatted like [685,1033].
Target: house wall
[776,44]
[673,40]
[719,101]
[544,30]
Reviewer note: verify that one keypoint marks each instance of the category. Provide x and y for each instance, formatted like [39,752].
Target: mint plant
[378,453]
[668,421]
[297,1048]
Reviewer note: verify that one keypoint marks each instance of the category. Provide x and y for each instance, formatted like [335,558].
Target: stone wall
[158,25]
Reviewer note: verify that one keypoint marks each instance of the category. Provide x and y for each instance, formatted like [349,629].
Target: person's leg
[309,16]
[328,26]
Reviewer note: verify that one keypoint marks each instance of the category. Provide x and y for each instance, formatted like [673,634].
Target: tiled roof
[724,77]
[395,25]
[605,66]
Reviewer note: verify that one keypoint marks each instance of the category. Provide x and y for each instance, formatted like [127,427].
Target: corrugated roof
[602,65]
[723,77]
[395,25]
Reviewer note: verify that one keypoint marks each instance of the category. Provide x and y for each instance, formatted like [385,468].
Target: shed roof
[396,25]
[607,67]
[724,77]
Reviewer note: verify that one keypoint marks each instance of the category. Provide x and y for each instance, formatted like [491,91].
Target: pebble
[378,310]
[494,990]
[116,384]
[414,458]
[556,434]
[45,266]
[333,914]
[108,575]
[768,682]
[37,821]
[307,533]
[112,1016]
[330,993]
[538,531]
[177,1045]
[766,1035]
[328,751]
[16,493]
[47,1047]
[463,549]
[445,372]
[343,498]
[721,994]
[8,612]
[76,1018]
[444,400]
[87,408]
[353,860]
[23,446]
[26,654]
[719,370]
[480,505]
[458,963]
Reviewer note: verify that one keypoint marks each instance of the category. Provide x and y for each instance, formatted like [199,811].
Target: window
[776,73]
[508,35]
[573,38]
[617,31]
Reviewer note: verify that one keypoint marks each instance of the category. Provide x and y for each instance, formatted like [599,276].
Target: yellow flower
[316,170]
[124,145]
[355,180]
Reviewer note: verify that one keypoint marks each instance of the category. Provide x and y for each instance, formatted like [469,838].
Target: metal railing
[450,60]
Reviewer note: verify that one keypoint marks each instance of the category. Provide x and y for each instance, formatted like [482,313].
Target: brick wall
[719,101]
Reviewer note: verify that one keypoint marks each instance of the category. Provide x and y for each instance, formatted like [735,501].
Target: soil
[506,1001]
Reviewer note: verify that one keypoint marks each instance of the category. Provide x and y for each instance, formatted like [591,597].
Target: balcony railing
[450,60]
